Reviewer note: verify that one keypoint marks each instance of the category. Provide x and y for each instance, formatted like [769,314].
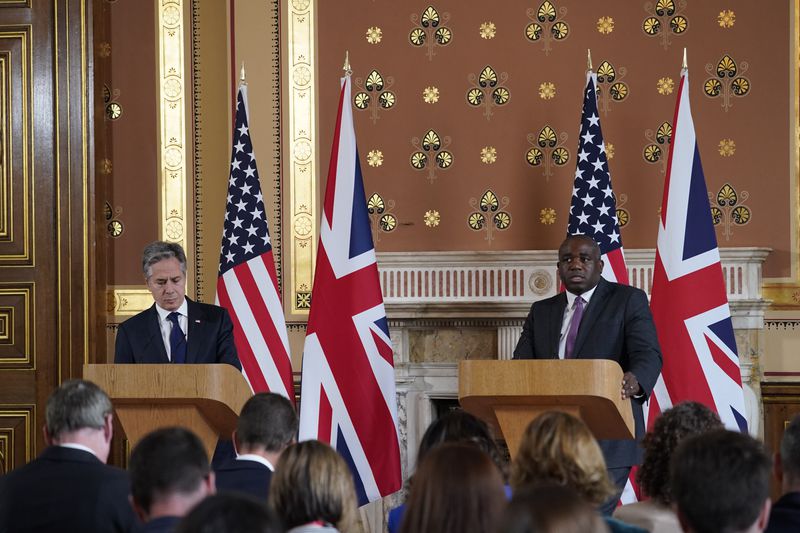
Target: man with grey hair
[175,329]
[785,514]
[69,487]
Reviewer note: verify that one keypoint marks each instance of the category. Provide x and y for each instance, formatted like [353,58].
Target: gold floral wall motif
[548,150]
[547,25]
[488,90]
[490,214]
[374,94]
[430,31]
[728,209]
[665,19]
[381,218]
[431,154]
[727,81]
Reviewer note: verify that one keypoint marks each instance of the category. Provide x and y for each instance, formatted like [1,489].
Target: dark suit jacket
[209,340]
[162,524]
[616,325]
[785,514]
[250,477]
[65,489]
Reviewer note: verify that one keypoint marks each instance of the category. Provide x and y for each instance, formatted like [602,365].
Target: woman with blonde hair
[312,490]
[557,448]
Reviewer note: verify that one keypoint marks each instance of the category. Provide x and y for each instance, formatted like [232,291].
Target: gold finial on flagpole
[589,58]
[347,70]
[241,75]
[685,64]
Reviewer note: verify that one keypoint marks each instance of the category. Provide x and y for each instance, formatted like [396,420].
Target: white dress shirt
[568,312]
[166,325]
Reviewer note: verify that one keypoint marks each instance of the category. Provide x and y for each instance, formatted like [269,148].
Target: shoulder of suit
[208,309]
[140,318]
[621,288]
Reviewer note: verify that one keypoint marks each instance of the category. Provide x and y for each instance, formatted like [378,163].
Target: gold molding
[173,217]
[785,294]
[25,258]
[26,413]
[25,290]
[128,301]
[302,128]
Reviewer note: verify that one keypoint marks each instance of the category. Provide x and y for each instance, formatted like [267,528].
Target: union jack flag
[689,301]
[247,285]
[348,386]
[593,210]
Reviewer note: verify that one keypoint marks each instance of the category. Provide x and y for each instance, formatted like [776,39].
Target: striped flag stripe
[250,369]
[252,324]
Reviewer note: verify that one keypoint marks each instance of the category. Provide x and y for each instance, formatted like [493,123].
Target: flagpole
[589,58]
[685,64]
[346,67]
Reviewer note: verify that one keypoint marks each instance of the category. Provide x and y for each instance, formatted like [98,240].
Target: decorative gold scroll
[302,158]
[173,217]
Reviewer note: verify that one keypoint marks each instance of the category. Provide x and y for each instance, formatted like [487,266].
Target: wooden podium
[206,399]
[509,394]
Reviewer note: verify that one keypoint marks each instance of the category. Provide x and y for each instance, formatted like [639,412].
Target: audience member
[455,426]
[785,514]
[266,426]
[720,483]
[558,448]
[169,476]
[457,489]
[671,428]
[230,513]
[312,490]
[69,487]
[550,509]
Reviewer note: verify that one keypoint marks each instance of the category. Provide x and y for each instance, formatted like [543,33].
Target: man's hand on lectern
[630,386]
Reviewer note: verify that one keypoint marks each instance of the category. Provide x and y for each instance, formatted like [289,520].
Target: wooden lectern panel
[509,394]
[206,399]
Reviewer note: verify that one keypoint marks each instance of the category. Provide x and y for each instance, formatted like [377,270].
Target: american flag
[593,210]
[348,386]
[689,300]
[247,285]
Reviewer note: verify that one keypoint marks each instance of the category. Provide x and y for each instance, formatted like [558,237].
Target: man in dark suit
[597,319]
[69,487]
[175,329]
[170,475]
[267,425]
[720,482]
[785,513]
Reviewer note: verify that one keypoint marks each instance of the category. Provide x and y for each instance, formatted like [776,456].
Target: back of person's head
[558,448]
[720,483]
[457,488]
[76,404]
[269,420]
[684,420]
[230,512]
[461,426]
[790,455]
[550,509]
[312,483]
[165,463]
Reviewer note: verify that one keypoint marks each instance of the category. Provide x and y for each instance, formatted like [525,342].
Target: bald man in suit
[614,322]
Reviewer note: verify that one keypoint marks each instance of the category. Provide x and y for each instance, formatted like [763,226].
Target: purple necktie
[574,323]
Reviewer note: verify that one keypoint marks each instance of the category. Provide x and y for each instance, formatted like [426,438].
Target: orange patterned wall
[427,61]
